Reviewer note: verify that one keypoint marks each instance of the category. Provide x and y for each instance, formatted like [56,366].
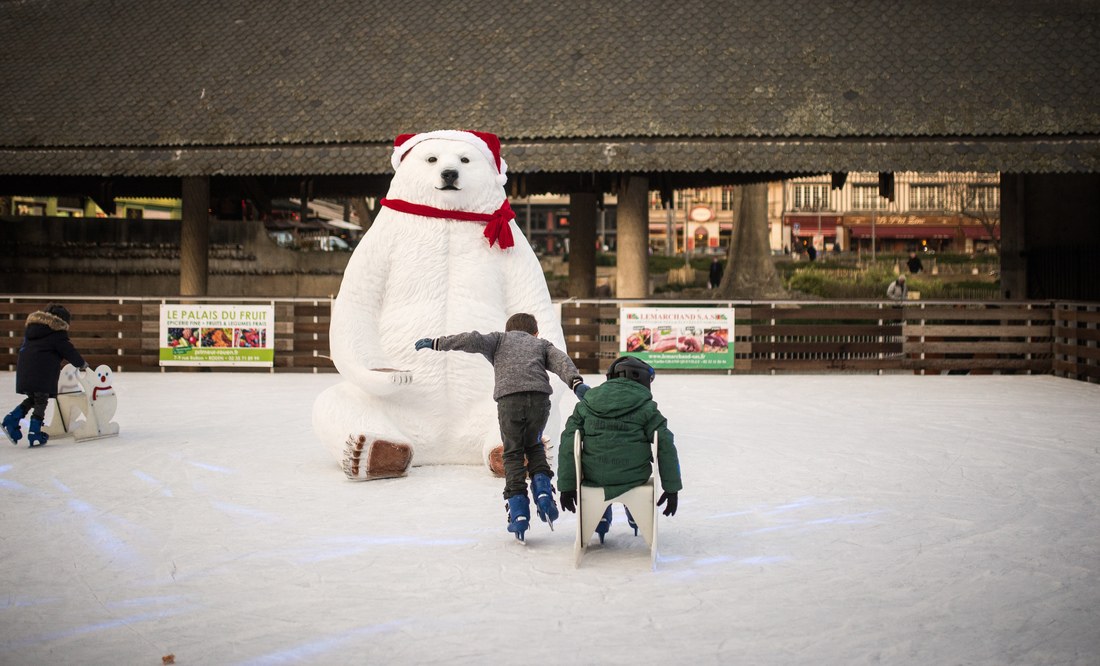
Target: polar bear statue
[443,256]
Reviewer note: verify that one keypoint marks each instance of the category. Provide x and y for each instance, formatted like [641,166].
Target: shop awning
[906,231]
[980,233]
[808,225]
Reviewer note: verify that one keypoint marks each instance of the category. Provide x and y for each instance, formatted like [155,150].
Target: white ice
[825,519]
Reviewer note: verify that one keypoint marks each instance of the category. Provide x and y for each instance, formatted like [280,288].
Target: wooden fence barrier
[769,337]
[1077,341]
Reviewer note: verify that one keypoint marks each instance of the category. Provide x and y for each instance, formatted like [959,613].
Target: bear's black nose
[449,177]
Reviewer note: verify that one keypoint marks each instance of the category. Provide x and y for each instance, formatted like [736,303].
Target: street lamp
[687,230]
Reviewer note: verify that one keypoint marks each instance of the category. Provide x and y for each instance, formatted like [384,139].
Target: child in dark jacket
[522,391]
[617,420]
[45,344]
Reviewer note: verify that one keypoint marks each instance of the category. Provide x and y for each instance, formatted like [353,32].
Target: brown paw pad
[388,459]
[496,461]
[385,460]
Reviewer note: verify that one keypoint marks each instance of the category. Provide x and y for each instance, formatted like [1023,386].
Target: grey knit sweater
[520,360]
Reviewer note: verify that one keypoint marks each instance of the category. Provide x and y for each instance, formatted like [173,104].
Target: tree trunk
[363,211]
[750,272]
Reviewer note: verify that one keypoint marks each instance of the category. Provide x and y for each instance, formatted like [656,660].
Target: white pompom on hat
[487,143]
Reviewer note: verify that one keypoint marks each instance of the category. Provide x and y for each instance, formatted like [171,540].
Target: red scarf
[497,229]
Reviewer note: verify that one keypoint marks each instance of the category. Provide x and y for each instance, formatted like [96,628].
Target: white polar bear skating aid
[69,404]
[443,256]
[99,392]
[90,395]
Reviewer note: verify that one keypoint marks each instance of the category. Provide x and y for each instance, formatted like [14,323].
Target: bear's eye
[465,160]
[431,160]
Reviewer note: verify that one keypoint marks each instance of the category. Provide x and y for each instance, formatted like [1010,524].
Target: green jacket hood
[616,398]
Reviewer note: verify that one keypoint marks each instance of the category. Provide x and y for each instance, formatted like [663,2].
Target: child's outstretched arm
[559,363]
[473,343]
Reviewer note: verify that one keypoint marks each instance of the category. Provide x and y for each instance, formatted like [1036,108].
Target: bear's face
[447,174]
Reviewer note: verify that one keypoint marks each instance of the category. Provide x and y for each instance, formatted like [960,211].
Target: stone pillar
[195,236]
[582,244]
[632,258]
[1013,240]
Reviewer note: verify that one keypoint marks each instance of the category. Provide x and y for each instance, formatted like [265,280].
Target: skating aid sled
[640,501]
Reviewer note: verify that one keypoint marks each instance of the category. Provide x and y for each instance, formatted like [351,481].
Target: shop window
[810,197]
[866,197]
[926,197]
[982,198]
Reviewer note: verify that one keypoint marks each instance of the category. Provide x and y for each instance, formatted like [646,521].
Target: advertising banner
[213,335]
[682,338]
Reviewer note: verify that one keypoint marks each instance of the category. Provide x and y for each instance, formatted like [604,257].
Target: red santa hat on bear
[487,143]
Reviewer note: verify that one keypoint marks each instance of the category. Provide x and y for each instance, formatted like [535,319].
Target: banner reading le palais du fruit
[225,335]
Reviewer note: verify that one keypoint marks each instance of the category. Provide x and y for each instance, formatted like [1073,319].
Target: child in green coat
[617,421]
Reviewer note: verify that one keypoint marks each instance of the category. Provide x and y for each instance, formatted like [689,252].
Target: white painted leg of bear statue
[365,443]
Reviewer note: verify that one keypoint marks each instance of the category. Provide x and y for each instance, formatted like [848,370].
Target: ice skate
[519,515]
[630,521]
[604,524]
[544,499]
[35,436]
[11,427]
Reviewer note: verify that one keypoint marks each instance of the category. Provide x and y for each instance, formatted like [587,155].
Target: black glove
[670,510]
[581,389]
[424,343]
[568,499]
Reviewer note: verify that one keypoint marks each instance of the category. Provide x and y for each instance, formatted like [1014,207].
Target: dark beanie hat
[60,311]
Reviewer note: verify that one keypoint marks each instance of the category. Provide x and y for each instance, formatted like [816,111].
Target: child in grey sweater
[522,391]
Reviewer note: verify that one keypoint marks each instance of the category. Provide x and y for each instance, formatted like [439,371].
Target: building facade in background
[941,212]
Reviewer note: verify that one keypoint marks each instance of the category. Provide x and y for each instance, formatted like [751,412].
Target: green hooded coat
[617,420]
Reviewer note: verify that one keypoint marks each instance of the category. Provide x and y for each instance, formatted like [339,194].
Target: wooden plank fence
[769,337]
[1077,341]
[124,333]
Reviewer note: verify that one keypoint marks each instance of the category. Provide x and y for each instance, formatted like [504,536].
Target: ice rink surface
[824,520]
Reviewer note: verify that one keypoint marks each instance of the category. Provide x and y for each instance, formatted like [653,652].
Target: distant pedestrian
[914,263]
[898,290]
[715,274]
[811,251]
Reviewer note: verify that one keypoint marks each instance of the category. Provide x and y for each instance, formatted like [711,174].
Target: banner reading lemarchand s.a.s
[682,338]
[227,335]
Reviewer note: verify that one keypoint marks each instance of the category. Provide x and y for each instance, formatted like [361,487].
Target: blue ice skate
[630,520]
[519,515]
[544,499]
[35,436]
[11,425]
[605,524]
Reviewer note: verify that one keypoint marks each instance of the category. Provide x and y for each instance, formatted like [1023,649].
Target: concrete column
[582,244]
[195,236]
[632,258]
[1013,239]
